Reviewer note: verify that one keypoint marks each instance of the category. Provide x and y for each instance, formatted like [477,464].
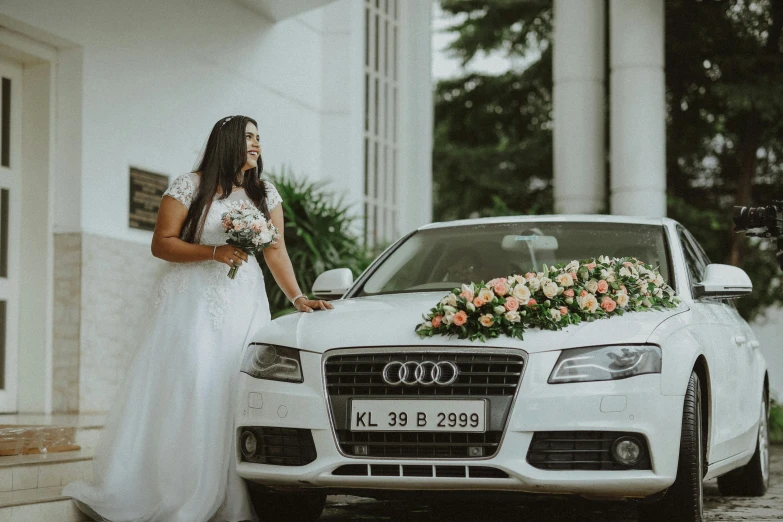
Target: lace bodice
[183,189]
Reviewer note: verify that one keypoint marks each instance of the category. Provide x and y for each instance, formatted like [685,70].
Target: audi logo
[424,373]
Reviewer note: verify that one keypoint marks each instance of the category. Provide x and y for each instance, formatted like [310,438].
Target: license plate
[418,415]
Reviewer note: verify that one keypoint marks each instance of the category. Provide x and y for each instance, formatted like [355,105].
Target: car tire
[286,506]
[752,479]
[684,500]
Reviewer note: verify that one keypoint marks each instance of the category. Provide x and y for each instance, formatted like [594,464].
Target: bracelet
[293,299]
[213,251]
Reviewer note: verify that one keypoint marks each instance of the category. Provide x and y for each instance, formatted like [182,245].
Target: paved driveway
[719,508]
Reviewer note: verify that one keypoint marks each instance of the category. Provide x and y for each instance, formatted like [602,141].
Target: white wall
[768,332]
[157,75]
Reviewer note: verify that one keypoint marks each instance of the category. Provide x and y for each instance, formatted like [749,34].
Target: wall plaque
[146,189]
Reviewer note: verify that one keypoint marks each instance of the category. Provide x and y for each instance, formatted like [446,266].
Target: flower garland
[552,299]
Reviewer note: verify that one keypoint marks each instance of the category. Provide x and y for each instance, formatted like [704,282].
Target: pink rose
[467,294]
[478,302]
[436,321]
[500,287]
[573,276]
[583,293]
[608,304]
[603,287]
[530,275]
[532,303]
[590,266]
[568,293]
[460,318]
[563,310]
[486,320]
[628,264]
[512,304]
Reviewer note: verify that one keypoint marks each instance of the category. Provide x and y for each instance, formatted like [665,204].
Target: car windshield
[444,258]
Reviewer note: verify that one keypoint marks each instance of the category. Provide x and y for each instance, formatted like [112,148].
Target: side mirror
[723,281]
[332,284]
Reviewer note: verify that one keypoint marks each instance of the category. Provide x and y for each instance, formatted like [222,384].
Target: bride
[166,452]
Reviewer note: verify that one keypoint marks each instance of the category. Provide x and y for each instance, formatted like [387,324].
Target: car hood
[390,320]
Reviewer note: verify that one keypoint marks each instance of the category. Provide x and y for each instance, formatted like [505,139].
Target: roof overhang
[276,10]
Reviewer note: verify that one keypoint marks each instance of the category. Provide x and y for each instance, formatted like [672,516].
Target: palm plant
[318,236]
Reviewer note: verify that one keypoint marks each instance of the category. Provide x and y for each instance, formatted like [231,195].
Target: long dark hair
[221,166]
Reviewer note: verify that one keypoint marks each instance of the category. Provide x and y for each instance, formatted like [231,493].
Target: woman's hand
[306,305]
[230,255]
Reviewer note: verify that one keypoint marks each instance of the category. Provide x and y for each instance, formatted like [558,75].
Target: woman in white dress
[166,452]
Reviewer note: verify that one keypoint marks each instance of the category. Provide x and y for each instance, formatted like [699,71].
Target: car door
[722,358]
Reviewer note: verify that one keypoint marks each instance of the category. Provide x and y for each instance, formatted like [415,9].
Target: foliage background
[318,236]
[724,93]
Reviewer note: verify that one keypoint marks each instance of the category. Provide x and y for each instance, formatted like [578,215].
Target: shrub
[776,422]
[318,237]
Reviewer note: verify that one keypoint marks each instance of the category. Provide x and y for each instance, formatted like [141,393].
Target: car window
[693,260]
[443,258]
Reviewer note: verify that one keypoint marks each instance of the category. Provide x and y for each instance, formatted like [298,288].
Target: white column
[578,100]
[638,111]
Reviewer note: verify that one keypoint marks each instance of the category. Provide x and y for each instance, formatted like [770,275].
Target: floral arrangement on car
[552,299]
[248,229]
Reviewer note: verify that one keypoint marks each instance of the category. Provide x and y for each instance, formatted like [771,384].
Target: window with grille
[381,146]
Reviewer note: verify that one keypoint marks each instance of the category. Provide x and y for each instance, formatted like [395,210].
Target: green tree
[724,81]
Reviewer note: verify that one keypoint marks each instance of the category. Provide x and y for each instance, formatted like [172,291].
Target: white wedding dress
[166,453]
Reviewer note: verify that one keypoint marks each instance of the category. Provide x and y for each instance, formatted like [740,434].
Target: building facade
[92,89]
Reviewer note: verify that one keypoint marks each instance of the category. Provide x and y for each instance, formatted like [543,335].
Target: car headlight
[276,363]
[606,363]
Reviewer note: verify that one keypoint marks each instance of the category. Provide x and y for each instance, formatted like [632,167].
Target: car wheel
[684,500]
[752,479]
[285,506]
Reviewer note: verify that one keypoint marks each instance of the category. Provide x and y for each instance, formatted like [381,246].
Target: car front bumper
[630,405]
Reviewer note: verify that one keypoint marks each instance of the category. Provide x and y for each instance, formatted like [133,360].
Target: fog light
[475,451]
[248,443]
[361,449]
[627,451]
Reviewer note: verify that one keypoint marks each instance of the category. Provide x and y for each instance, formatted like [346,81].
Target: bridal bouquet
[248,229]
[556,297]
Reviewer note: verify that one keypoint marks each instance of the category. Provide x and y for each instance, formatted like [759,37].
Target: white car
[644,406]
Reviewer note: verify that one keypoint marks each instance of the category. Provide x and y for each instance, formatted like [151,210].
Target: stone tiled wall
[103,288]
[67,317]
[118,284]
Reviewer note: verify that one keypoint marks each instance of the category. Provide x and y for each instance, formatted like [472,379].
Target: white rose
[518,279]
[658,280]
[522,293]
[534,284]
[555,313]
[499,310]
[565,280]
[588,302]
[658,292]
[622,300]
[591,286]
[550,289]
[603,260]
[607,274]
[545,281]
[573,266]
[625,272]
[450,300]
[514,317]
[470,307]
[448,318]
[486,294]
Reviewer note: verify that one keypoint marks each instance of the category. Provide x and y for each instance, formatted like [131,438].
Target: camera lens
[749,217]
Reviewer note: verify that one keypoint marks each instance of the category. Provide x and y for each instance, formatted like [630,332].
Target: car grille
[419,444]
[580,450]
[386,470]
[479,374]
[490,376]
[280,446]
